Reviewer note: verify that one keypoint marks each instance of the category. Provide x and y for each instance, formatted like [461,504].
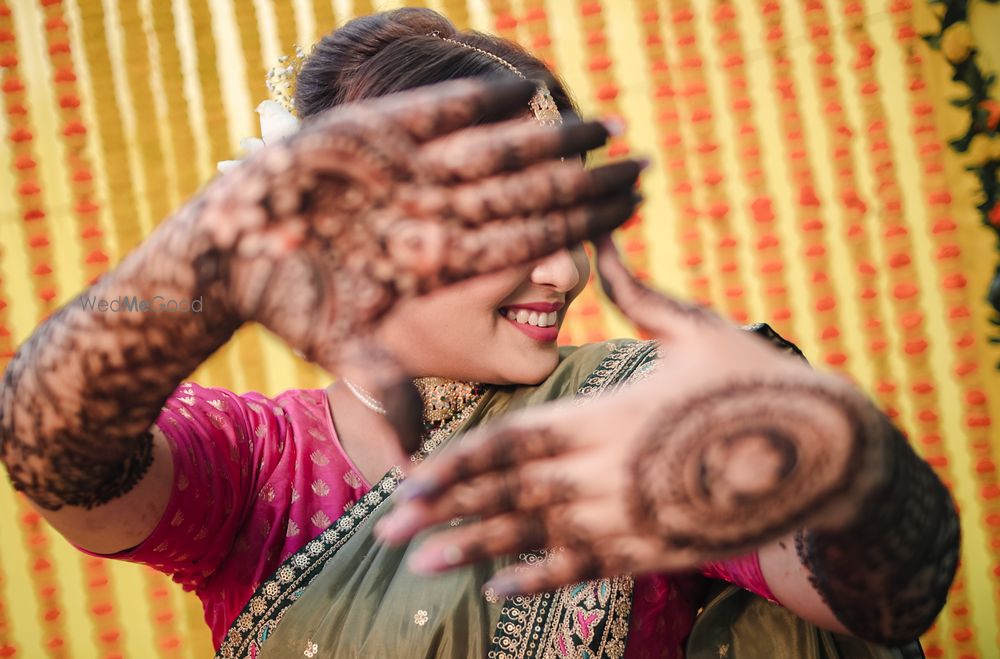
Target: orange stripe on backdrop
[673,147]
[8,648]
[759,189]
[30,199]
[74,133]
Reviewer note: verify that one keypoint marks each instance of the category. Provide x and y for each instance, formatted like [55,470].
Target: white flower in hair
[275,123]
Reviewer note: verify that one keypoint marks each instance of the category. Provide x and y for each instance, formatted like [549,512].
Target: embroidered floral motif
[320,488]
[420,618]
[311,649]
[320,519]
[588,619]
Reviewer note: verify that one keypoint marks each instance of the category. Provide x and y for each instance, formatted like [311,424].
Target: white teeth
[533,318]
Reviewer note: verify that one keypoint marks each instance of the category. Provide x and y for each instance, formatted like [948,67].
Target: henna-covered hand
[316,237]
[394,197]
[727,445]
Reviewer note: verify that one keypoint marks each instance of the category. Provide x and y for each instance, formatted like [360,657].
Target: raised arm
[315,237]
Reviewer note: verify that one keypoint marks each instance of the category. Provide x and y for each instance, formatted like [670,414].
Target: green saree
[345,595]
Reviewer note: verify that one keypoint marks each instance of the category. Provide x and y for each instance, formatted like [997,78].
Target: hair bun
[339,54]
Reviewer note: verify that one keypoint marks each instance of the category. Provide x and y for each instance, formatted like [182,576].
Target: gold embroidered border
[272,598]
[529,626]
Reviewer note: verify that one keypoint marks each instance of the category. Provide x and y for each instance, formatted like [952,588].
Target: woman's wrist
[885,575]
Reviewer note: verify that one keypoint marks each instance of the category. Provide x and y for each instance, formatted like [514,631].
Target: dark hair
[395,50]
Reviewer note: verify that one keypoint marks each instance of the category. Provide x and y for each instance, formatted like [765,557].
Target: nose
[557,270]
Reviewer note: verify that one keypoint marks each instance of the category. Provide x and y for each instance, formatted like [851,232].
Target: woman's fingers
[654,312]
[527,488]
[480,453]
[434,111]
[484,151]
[506,242]
[579,521]
[540,187]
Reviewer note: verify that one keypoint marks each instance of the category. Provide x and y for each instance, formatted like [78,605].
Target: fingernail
[644,163]
[431,561]
[410,489]
[614,125]
[398,525]
[503,586]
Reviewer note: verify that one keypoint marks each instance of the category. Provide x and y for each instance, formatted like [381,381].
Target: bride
[612,517]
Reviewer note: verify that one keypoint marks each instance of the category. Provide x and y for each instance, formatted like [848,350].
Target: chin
[533,373]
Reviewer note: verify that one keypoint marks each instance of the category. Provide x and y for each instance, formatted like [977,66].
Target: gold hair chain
[542,105]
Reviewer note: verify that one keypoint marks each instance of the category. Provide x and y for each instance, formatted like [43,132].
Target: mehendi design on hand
[316,237]
[728,468]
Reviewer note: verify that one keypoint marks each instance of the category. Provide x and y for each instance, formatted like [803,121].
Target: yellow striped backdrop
[801,177]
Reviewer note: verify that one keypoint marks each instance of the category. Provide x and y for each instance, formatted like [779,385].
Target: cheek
[582,262]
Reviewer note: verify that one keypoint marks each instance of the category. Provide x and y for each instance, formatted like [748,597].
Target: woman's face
[499,328]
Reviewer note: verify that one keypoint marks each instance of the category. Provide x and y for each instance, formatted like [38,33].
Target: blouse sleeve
[743,571]
[213,436]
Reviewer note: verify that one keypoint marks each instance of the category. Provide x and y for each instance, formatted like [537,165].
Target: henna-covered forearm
[887,575]
[79,396]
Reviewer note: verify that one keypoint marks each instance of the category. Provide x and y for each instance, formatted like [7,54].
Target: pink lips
[540,334]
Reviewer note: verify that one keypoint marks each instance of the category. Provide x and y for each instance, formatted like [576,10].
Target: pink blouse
[256,478]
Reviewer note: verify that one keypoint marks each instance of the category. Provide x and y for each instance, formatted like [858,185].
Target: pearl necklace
[365,398]
[443,399]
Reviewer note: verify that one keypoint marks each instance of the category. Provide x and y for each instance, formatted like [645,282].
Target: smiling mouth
[541,326]
[529,317]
